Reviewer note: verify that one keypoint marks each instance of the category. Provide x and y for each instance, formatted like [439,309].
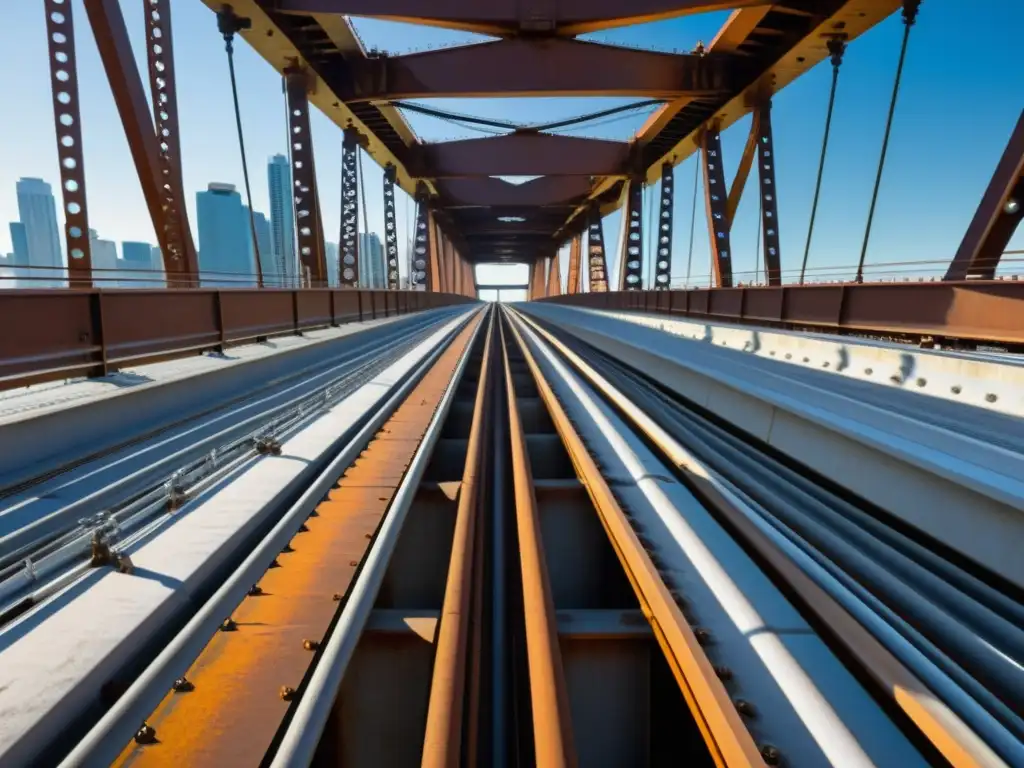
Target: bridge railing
[981,312]
[54,334]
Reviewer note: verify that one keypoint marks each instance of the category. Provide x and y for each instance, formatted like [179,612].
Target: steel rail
[17,544]
[937,721]
[106,738]
[298,744]
[552,723]
[443,738]
[728,740]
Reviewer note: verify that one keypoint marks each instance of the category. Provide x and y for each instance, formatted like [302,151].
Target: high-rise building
[106,272]
[38,212]
[225,240]
[282,218]
[140,270]
[331,255]
[268,264]
[372,272]
[19,239]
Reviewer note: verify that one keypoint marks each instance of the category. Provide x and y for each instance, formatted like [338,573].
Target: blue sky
[963,90]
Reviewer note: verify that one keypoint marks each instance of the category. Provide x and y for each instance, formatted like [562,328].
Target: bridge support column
[597,263]
[390,229]
[572,284]
[349,276]
[305,195]
[769,198]
[715,200]
[663,245]
[60,35]
[997,218]
[434,273]
[536,279]
[422,240]
[115,50]
[554,276]
[631,260]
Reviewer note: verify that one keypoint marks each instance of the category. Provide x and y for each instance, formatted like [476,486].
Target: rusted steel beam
[997,218]
[769,196]
[305,195]
[502,17]
[716,205]
[449,687]
[548,190]
[537,279]
[67,119]
[574,282]
[533,66]
[133,110]
[552,721]
[523,154]
[739,181]
[181,256]
[434,274]
[554,276]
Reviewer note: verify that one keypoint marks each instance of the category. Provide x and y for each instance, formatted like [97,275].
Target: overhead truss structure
[760,49]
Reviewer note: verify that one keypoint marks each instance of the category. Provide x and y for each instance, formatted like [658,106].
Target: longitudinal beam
[540,67]
[504,17]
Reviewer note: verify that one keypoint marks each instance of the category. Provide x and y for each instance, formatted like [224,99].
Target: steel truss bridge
[767,522]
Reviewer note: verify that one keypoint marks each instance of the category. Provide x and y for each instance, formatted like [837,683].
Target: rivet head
[183,685]
[353,563]
[255,590]
[336,597]
[228,625]
[146,734]
[724,673]
[703,636]
[745,708]
[303,528]
[311,645]
[771,754]
[287,693]
[287,548]
[274,564]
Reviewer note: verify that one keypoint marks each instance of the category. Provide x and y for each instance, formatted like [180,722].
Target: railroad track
[533,555]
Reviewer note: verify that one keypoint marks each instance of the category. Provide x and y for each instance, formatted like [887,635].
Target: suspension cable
[836,47]
[693,217]
[228,24]
[910,8]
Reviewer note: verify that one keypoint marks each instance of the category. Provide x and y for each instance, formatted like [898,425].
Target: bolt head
[287,693]
[146,734]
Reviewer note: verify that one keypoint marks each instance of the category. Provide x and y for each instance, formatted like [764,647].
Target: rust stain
[235,709]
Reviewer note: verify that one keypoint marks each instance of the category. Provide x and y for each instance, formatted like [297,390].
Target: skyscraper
[269,266]
[19,239]
[104,262]
[372,272]
[140,272]
[160,274]
[331,256]
[38,213]
[282,218]
[225,241]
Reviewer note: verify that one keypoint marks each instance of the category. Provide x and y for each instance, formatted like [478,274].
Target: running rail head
[728,740]
[552,722]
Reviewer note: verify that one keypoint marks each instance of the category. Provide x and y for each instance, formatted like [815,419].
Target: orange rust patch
[232,715]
